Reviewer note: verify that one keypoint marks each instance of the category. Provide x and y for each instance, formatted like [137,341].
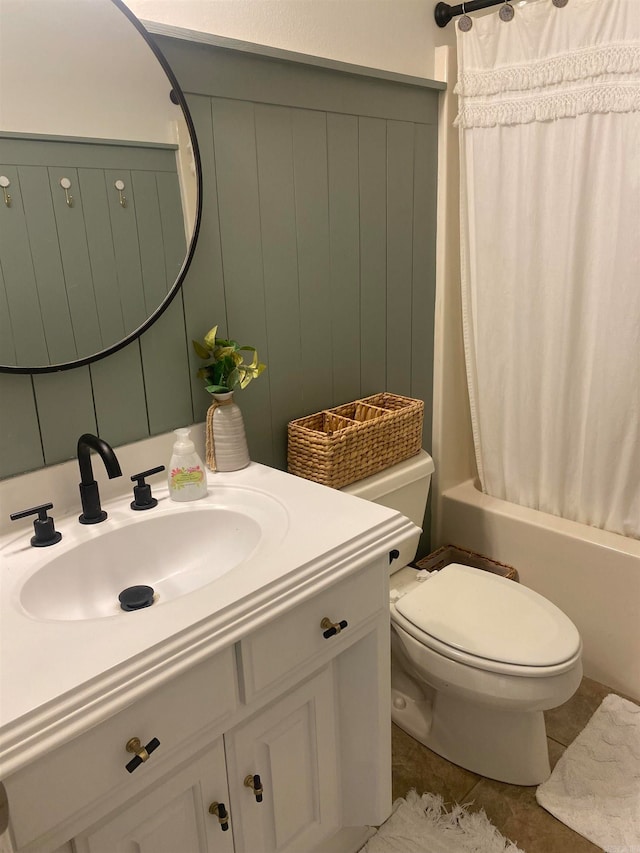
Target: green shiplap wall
[317,246]
[77,278]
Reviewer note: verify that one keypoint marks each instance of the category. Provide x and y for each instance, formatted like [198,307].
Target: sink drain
[136,597]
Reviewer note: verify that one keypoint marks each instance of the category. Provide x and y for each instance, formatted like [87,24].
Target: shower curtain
[549,126]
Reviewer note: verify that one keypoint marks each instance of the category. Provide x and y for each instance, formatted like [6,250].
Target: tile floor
[512,809]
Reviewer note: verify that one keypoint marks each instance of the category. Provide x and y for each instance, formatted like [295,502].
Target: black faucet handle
[142,498]
[45,531]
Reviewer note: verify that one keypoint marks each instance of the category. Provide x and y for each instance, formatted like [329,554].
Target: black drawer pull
[220,811]
[330,629]
[142,753]
[255,784]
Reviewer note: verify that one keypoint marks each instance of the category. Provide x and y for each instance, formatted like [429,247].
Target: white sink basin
[173,548]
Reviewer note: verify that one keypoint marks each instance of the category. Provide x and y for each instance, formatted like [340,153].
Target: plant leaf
[233,379]
[201,351]
[210,338]
[223,352]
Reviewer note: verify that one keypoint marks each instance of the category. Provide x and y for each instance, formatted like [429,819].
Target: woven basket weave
[453,554]
[339,446]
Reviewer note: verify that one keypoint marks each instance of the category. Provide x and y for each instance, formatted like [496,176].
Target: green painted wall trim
[59,151]
[269,52]
[86,140]
[208,70]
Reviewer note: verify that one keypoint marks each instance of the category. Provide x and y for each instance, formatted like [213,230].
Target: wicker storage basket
[347,443]
[452,554]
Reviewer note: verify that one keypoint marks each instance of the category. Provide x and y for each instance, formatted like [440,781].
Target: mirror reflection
[97,181]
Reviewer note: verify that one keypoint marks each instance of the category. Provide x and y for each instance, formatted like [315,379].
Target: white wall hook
[4,183]
[65,183]
[119,185]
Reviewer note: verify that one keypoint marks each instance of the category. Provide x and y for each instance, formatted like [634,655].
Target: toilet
[475,658]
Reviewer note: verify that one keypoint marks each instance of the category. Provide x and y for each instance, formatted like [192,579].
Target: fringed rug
[595,786]
[421,824]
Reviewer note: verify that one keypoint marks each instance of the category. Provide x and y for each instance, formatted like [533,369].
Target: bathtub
[593,575]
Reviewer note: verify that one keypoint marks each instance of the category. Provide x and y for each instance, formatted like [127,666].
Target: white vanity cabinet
[290,745]
[306,712]
[172,817]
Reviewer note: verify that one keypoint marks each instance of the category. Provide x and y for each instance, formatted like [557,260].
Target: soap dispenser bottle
[187,476]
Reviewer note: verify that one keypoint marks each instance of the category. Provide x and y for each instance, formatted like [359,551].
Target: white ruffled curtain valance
[550,256]
[496,87]
[574,65]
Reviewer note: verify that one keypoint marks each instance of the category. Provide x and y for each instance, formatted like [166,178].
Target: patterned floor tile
[415,766]
[511,808]
[565,723]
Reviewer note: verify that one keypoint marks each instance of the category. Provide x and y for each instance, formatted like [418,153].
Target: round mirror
[100,182]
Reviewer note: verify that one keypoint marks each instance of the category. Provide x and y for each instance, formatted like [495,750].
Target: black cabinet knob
[330,629]
[142,753]
[253,782]
[220,810]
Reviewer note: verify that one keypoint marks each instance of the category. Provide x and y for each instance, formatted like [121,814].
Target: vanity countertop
[59,678]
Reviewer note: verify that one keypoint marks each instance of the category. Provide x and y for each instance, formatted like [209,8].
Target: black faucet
[92,512]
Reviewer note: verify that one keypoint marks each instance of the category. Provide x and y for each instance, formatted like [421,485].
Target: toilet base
[510,746]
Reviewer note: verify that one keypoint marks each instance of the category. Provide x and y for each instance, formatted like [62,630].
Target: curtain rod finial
[442,14]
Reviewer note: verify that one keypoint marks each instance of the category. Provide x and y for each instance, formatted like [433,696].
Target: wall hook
[119,185]
[65,183]
[4,183]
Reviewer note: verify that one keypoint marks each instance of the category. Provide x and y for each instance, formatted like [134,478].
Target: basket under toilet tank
[479,704]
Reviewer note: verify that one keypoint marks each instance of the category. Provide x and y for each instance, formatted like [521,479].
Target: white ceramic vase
[226,440]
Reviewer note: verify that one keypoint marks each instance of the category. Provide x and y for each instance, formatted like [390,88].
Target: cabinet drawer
[70,778]
[288,641]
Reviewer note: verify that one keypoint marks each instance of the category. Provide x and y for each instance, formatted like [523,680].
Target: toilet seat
[491,623]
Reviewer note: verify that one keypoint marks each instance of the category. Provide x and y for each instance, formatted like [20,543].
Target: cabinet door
[291,745]
[173,816]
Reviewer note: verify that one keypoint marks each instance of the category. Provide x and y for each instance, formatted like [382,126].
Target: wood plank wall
[76,279]
[317,246]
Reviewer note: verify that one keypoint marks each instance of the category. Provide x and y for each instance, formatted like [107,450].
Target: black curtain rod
[443,12]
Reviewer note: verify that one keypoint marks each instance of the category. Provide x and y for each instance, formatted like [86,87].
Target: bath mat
[421,824]
[595,786]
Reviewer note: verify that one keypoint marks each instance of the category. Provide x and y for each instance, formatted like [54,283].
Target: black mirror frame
[178,98]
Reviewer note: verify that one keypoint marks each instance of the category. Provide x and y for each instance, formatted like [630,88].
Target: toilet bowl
[476,658]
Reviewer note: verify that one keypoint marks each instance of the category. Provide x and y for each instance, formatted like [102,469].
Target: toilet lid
[490,617]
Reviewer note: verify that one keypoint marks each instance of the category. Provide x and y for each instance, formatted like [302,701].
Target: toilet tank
[405,487]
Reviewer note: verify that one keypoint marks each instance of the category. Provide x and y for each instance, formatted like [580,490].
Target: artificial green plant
[227,369]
